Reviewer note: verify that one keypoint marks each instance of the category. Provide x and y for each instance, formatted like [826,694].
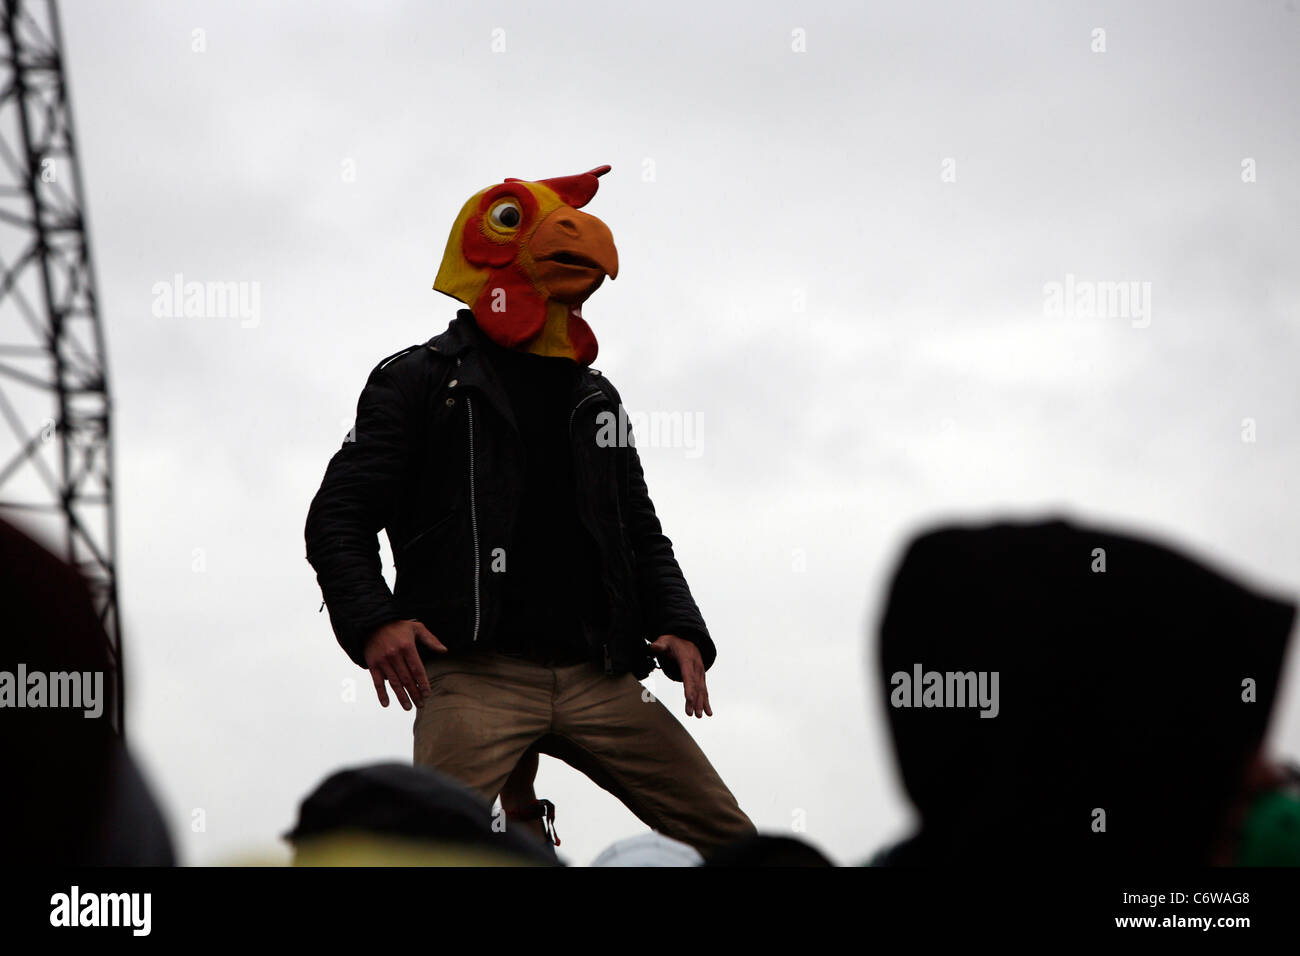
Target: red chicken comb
[575,191]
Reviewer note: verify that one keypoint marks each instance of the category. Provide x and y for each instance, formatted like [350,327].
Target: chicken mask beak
[572,252]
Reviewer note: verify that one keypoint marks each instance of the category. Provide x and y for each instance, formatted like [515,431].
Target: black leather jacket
[435,460]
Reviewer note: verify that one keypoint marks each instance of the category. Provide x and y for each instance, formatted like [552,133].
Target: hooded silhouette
[1135,688]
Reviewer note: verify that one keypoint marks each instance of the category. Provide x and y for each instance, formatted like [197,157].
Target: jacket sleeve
[666,597]
[350,509]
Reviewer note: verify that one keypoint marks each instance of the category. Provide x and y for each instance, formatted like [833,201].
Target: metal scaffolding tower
[57,480]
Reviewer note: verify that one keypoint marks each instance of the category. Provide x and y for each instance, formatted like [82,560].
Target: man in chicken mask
[534,584]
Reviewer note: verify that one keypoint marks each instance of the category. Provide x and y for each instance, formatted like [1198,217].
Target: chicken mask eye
[506,215]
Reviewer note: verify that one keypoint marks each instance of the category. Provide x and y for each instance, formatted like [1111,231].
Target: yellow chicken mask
[524,259]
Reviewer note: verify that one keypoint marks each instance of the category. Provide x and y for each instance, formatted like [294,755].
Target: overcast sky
[837,249]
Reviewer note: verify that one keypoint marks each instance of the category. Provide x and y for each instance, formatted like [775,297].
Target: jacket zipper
[473,516]
[609,663]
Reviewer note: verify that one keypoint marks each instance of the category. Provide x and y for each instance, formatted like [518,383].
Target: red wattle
[524,314]
[582,339]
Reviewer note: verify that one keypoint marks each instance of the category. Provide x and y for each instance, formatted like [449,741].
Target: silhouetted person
[1134,686]
[398,814]
[71,793]
[765,849]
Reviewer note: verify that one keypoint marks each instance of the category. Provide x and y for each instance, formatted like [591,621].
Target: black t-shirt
[550,575]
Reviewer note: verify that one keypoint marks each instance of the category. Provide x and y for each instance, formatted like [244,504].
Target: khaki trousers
[484,712]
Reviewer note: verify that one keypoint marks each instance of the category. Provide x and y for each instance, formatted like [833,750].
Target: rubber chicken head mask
[524,258]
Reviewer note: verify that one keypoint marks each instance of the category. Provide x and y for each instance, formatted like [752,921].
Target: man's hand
[391,656]
[688,659]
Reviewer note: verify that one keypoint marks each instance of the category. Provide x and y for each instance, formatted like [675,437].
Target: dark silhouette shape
[71,790]
[413,804]
[768,850]
[1120,690]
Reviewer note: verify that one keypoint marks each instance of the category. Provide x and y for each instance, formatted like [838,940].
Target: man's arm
[343,525]
[670,607]
[684,647]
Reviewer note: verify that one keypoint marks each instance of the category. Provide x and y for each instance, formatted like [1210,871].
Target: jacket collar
[460,336]
[465,342]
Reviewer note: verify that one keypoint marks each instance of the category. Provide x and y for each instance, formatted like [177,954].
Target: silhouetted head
[1125,689]
[71,791]
[399,814]
[764,849]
